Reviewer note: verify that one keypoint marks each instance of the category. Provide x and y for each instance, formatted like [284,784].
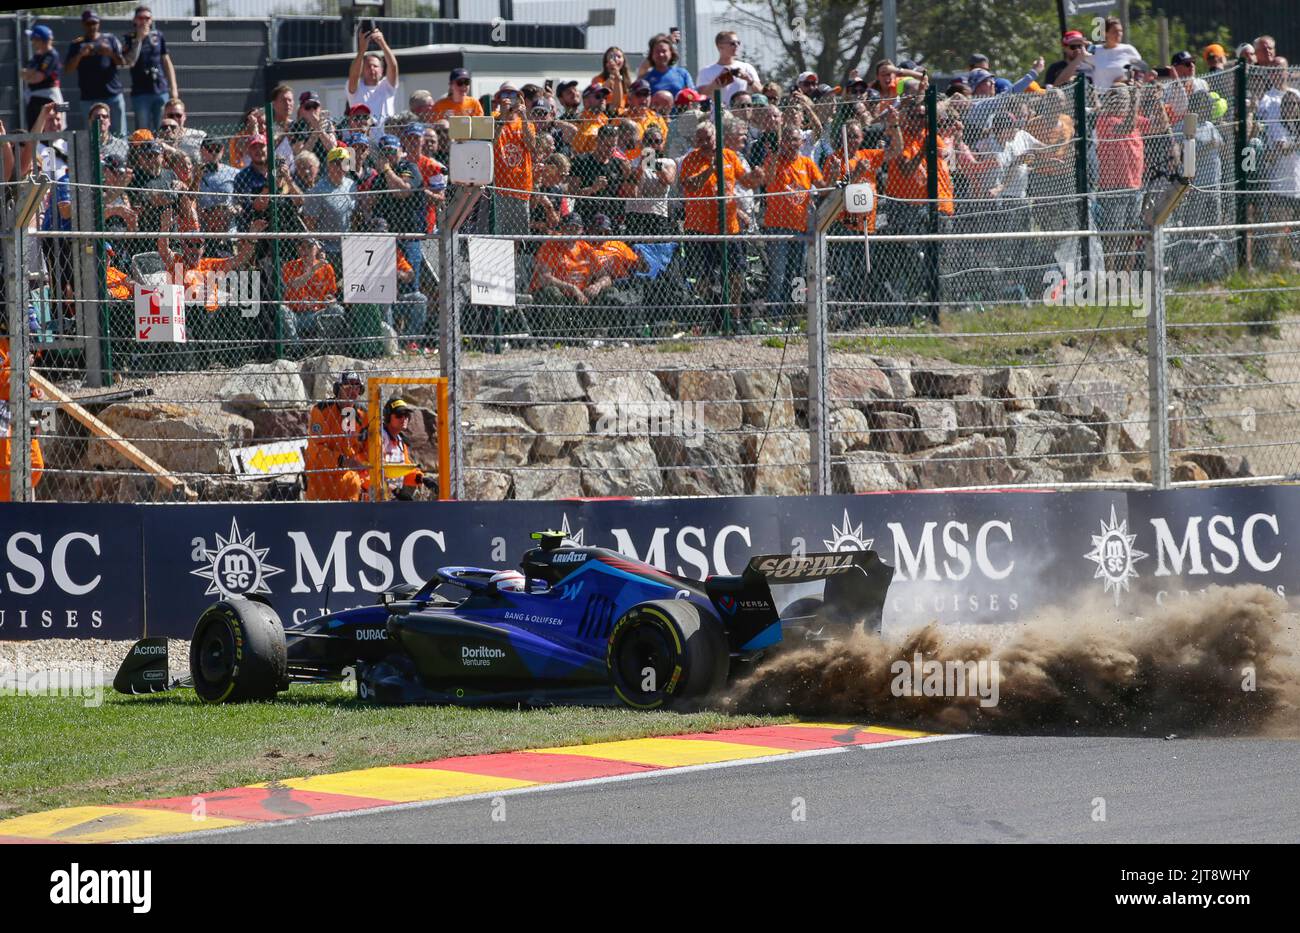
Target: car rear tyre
[664,651]
[238,653]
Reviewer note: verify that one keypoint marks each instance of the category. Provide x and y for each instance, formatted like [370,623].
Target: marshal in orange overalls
[38,462]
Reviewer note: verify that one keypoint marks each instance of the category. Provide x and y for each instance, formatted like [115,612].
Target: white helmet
[508,581]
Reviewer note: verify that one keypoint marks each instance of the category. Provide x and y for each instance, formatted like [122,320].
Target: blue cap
[413,129]
[388,141]
[41,32]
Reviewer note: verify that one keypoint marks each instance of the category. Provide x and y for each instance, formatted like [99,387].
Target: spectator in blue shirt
[42,73]
[217,185]
[253,177]
[153,77]
[95,57]
[660,67]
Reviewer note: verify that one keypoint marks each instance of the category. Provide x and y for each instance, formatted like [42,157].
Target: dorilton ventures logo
[848,538]
[1114,554]
[234,566]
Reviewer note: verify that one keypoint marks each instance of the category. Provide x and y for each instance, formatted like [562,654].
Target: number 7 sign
[369,270]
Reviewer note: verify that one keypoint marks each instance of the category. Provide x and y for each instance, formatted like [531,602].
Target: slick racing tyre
[238,652]
[664,651]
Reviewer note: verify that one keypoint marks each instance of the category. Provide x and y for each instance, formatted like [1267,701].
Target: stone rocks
[935,421]
[490,485]
[946,383]
[1017,388]
[263,385]
[558,425]
[551,483]
[850,430]
[1099,399]
[612,394]
[780,463]
[975,461]
[979,415]
[183,440]
[766,398]
[1217,465]
[523,383]
[899,374]
[497,439]
[617,467]
[269,423]
[870,471]
[855,382]
[891,431]
[1189,472]
[715,389]
[319,373]
[1032,434]
[713,466]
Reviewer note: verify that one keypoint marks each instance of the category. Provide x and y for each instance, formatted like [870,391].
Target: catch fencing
[996,320]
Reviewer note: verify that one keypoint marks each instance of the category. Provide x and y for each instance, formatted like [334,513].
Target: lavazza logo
[1198,546]
[234,566]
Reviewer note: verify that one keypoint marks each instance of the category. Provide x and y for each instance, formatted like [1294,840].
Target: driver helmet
[508,581]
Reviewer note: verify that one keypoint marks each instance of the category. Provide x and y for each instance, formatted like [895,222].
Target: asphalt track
[968,789]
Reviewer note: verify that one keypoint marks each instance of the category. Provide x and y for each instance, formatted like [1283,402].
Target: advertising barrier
[117,571]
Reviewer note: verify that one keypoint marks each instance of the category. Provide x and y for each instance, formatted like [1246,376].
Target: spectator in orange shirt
[790,176]
[616,258]
[513,163]
[567,271]
[197,273]
[616,77]
[311,309]
[640,112]
[457,102]
[700,186]
[592,118]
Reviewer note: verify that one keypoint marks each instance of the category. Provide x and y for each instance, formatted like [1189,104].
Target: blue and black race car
[573,624]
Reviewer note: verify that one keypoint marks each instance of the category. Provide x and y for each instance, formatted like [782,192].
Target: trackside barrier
[119,571]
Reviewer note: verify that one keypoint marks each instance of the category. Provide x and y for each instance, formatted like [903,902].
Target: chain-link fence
[985,323]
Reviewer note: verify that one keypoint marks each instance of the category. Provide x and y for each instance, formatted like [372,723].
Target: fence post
[722,211]
[932,194]
[1241,141]
[271,185]
[450,221]
[1084,206]
[20,453]
[819,460]
[91,260]
[1157,356]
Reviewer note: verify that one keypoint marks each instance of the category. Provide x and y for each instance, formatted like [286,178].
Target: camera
[367,26]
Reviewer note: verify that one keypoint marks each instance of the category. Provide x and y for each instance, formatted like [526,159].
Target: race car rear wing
[854,594]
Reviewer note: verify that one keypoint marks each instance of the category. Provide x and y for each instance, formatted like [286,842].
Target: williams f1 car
[573,624]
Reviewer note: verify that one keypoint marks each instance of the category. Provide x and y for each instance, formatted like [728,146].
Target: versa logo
[75,886]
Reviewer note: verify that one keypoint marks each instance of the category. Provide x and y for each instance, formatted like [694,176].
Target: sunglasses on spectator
[174,116]
[311,105]
[463,82]
[643,92]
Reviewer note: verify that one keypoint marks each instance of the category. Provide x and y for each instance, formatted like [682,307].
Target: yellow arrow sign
[264,461]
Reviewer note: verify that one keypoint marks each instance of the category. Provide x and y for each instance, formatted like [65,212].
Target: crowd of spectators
[632,153]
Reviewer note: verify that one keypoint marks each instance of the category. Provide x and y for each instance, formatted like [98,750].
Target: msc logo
[848,538]
[234,566]
[1114,554]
